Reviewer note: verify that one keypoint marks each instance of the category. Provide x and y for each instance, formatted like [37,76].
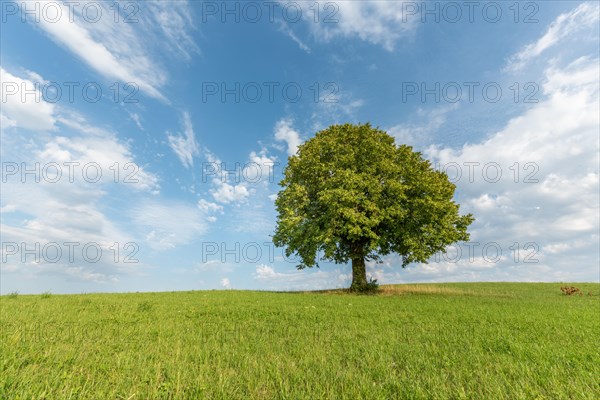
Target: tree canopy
[351,194]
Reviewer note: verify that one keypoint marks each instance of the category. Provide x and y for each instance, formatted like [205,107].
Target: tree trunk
[359,273]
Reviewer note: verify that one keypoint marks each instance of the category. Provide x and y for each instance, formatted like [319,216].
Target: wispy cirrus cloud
[124,49]
[184,145]
[174,22]
[168,224]
[584,16]
[381,23]
[418,134]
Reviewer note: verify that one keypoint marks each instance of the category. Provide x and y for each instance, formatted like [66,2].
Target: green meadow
[420,341]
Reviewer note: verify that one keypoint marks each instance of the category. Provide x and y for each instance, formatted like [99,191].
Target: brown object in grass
[570,290]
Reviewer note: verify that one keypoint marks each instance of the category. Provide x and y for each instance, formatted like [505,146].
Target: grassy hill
[440,341]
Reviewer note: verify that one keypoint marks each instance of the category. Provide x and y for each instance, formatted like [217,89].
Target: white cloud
[6,123]
[174,19]
[418,135]
[167,225]
[35,77]
[63,205]
[575,77]
[226,283]
[284,132]
[548,212]
[381,23]
[334,108]
[308,279]
[111,49]
[265,272]
[257,173]
[184,146]
[226,193]
[260,168]
[24,109]
[69,207]
[82,274]
[283,27]
[253,213]
[209,207]
[583,16]
[213,266]
[135,117]
[59,213]
[122,50]
[559,137]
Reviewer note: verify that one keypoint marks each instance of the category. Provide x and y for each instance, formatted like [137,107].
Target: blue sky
[157,97]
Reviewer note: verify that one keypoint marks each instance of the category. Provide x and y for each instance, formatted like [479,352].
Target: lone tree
[351,194]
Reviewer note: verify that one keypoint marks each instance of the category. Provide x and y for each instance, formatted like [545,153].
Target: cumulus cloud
[284,132]
[533,187]
[236,187]
[260,168]
[63,198]
[226,193]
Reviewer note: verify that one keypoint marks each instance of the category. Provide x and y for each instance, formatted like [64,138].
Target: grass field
[440,341]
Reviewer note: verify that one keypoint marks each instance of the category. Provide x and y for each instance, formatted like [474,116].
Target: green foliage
[371,287]
[351,193]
